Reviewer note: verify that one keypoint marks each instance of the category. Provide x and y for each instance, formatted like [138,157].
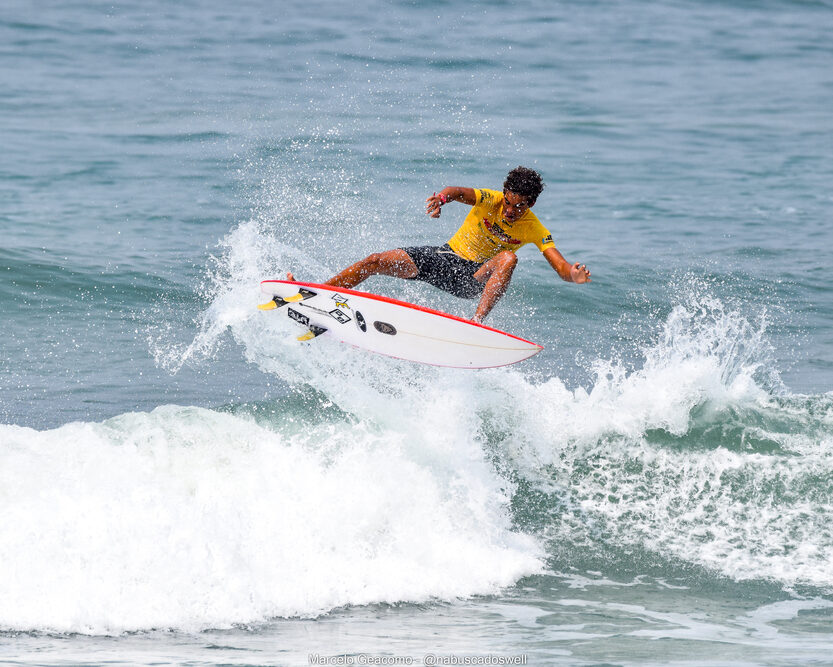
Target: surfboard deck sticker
[394,328]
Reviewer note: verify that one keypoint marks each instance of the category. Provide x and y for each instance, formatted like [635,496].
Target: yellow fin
[271,305]
[294,298]
[309,335]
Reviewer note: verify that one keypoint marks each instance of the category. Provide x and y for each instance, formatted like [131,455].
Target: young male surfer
[480,258]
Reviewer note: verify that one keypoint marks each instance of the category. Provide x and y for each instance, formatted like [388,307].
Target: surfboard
[394,328]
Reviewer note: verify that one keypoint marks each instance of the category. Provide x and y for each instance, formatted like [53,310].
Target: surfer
[479,259]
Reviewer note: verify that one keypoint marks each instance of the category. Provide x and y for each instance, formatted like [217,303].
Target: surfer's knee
[499,268]
[392,263]
[373,261]
[381,257]
[507,260]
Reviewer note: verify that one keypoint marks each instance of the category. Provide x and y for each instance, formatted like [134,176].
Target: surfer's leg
[394,263]
[496,273]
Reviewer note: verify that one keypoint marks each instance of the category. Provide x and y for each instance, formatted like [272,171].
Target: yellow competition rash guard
[484,233]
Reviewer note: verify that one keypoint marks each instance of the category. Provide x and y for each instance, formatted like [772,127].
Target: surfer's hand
[579,273]
[434,204]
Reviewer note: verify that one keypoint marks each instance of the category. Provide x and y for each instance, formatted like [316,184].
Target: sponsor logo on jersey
[485,196]
[497,231]
[546,239]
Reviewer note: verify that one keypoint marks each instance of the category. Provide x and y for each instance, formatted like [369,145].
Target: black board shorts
[441,267]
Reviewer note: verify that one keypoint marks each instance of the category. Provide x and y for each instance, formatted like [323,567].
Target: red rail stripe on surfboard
[413,306]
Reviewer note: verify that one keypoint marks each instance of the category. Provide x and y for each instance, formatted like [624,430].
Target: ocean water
[181,482]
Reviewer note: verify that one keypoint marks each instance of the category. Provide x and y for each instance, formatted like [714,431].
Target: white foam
[741,512]
[189,518]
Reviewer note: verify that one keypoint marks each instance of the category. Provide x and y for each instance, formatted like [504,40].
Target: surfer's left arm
[572,273]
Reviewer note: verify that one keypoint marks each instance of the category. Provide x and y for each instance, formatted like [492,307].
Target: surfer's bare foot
[290,277]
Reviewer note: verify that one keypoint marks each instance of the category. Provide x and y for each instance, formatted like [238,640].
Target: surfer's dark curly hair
[524,182]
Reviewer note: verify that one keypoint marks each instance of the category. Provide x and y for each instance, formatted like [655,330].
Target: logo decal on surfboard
[298,317]
[385,328]
[341,302]
[340,316]
[360,321]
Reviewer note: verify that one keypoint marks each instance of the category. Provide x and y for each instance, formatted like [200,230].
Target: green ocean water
[181,482]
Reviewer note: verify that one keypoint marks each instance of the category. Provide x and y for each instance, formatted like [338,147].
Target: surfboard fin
[314,332]
[279,301]
[300,296]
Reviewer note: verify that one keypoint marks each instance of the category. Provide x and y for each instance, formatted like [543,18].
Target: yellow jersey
[484,233]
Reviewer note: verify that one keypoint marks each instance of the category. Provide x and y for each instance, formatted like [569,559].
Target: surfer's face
[514,206]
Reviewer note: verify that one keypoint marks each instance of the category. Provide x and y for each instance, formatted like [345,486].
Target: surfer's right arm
[436,201]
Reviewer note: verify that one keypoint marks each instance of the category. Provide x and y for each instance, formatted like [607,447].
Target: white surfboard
[394,328]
